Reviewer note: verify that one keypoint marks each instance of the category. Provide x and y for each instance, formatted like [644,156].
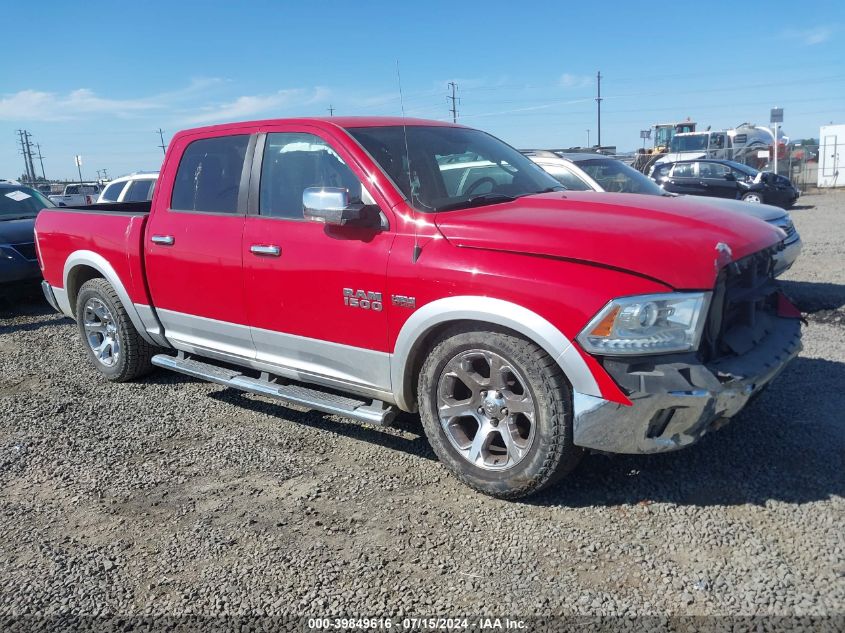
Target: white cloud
[811,36]
[250,105]
[38,105]
[568,80]
[35,105]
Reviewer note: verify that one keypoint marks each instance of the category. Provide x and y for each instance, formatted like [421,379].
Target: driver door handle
[265,250]
[163,240]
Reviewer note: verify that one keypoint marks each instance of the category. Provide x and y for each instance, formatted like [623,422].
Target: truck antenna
[417,249]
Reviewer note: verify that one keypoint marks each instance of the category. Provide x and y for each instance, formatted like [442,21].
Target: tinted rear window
[112,192]
[139,190]
[209,175]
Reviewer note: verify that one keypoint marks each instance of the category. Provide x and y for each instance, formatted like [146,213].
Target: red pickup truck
[362,266]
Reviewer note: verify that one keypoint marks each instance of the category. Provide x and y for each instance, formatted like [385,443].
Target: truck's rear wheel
[497,411]
[111,340]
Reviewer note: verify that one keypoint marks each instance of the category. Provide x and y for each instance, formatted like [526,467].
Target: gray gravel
[173,496]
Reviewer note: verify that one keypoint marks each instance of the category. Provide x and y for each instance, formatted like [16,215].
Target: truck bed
[105,236]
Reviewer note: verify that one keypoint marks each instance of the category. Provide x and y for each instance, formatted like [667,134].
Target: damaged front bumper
[676,399]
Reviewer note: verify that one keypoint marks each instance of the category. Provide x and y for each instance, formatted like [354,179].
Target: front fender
[484,310]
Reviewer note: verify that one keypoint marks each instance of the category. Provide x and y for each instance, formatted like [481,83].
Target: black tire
[133,359]
[551,455]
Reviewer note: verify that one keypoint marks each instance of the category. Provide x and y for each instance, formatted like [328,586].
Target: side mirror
[730,176]
[330,205]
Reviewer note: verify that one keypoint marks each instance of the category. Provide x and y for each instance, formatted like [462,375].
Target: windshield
[691,143]
[616,176]
[450,167]
[21,202]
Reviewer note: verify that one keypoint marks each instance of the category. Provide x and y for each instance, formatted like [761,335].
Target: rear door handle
[163,240]
[265,250]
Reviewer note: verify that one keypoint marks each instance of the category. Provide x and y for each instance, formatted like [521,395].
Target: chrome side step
[375,412]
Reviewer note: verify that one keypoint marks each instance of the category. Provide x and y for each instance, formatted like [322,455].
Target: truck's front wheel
[497,411]
[111,340]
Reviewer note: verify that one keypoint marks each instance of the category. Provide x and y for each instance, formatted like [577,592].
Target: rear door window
[713,170]
[112,192]
[139,191]
[209,175]
[684,170]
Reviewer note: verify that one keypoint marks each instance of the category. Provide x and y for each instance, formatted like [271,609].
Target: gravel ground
[173,496]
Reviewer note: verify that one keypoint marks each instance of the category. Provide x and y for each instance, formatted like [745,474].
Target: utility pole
[41,160]
[331,110]
[105,174]
[588,137]
[28,136]
[29,175]
[598,108]
[453,98]
[161,136]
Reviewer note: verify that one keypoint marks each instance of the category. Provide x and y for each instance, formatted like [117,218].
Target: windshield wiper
[546,190]
[16,217]
[477,201]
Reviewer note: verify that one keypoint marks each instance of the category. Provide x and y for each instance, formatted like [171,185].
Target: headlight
[647,324]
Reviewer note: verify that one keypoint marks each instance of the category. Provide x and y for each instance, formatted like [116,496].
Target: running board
[375,412]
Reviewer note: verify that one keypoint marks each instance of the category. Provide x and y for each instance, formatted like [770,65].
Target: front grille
[26,250]
[744,296]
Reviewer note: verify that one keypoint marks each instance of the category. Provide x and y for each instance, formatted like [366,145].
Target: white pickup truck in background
[77,195]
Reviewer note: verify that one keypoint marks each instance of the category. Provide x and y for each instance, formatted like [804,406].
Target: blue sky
[98,79]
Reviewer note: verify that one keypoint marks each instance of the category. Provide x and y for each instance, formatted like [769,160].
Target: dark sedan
[725,179]
[18,207]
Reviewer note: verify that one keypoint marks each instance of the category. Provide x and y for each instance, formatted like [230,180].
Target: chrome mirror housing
[329,205]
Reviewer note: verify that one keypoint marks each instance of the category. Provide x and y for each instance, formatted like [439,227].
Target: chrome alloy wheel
[486,409]
[101,332]
[753,198]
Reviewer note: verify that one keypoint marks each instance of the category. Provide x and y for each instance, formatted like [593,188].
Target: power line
[161,136]
[453,109]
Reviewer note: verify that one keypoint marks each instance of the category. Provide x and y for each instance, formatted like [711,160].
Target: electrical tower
[598,108]
[161,136]
[453,99]
[331,110]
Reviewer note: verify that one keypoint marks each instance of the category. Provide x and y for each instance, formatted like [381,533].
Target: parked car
[135,187]
[594,172]
[725,179]
[77,195]
[18,207]
[300,258]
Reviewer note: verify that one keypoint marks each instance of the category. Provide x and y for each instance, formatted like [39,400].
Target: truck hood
[17,231]
[674,240]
